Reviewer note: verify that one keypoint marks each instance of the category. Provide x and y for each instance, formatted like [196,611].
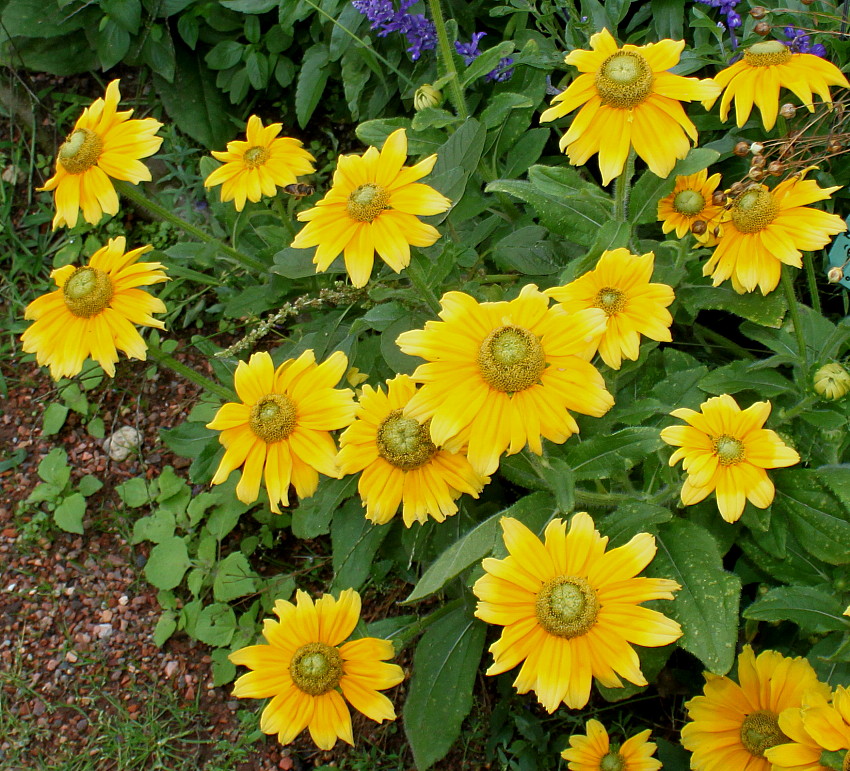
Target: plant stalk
[793,309]
[812,282]
[416,274]
[161,357]
[445,54]
[408,633]
[623,188]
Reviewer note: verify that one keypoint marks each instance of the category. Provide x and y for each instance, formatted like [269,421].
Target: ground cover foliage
[707,269]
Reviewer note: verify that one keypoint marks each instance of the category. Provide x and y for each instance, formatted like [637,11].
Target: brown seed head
[742,149]
[788,111]
[762,28]
[758,12]
[834,146]
[719,198]
[736,189]
[775,168]
[755,174]
[835,275]
[698,227]
[758,162]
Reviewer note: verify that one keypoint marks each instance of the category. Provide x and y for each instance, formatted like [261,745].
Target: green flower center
[273,418]
[405,442]
[611,300]
[754,210]
[612,761]
[728,450]
[80,151]
[255,156]
[624,80]
[767,53]
[689,202]
[87,292]
[316,668]
[511,359]
[567,606]
[367,201]
[760,731]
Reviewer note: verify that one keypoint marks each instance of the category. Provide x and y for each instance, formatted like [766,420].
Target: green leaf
[813,610]
[54,468]
[313,515]
[223,669]
[69,514]
[533,510]
[165,627]
[767,311]
[745,376]
[457,159]
[355,541]
[500,105]
[35,18]
[134,492]
[157,528]
[603,456]
[113,42]
[189,439]
[167,563]
[707,604]
[486,62]
[632,518]
[294,263]
[234,578]
[89,485]
[216,625]
[440,693]
[250,6]
[126,13]
[225,516]
[224,55]
[53,418]
[525,152]
[311,82]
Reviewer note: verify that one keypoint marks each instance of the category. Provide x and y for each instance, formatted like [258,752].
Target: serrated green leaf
[215,625]
[158,527]
[234,578]
[766,311]
[486,62]
[813,610]
[604,456]
[167,563]
[743,376]
[223,669]
[69,514]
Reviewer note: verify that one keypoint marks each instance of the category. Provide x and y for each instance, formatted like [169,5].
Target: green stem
[447,60]
[793,309]
[723,341]
[408,633]
[812,282]
[416,274]
[161,357]
[786,416]
[623,188]
[134,193]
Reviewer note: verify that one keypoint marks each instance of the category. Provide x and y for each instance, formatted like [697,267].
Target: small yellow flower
[832,381]
[594,752]
[620,286]
[765,67]
[310,676]
[691,201]
[259,165]
[373,207]
[93,311]
[104,143]
[726,450]
[280,431]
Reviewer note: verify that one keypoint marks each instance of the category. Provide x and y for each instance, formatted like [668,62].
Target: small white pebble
[123,599]
[11,587]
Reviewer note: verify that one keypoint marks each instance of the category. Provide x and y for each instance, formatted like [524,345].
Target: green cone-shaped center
[316,668]
[624,80]
[404,442]
[760,731]
[273,417]
[754,210]
[511,359]
[367,201]
[87,292]
[80,151]
[567,606]
[688,202]
[767,53]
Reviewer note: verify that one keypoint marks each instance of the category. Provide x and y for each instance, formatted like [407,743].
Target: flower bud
[775,168]
[427,96]
[834,146]
[742,149]
[758,162]
[756,148]
[755,174]
[835,275]
[719,198]
[832,381]
[736,189]
[758,12]
[698,227]
[762,28]
[788,111]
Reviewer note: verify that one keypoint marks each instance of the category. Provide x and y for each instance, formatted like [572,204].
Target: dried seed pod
[834,146]
[835,275]
[756,148]
[762,28]
[775,168]
[742,149]
[755,174]
[736,189]
[788,111]
[719,198]
[758,12]
[758,162]
[698,227]
[716,232]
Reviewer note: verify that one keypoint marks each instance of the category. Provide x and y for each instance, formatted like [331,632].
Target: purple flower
[503,71]
[470,52]
[733,19]
[800,43]
[384,19]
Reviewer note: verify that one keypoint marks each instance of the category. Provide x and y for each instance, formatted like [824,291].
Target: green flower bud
[427,96]
[832,381]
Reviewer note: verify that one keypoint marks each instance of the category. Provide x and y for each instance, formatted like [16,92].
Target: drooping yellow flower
[571,610]
[802,752]
[765,67]
[310,676]
[501,375]
[727,450]
[594,752]
[630,100]
[259,165]
[765,228]
[104,143]
[282,425]
[373,206]
[620,286]
[691,201]
[400,463]
[93,311]
[733,725]
[828,725]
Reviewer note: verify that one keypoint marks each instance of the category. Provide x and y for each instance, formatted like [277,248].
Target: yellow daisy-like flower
[571,610]
[733,725]
[765,228]
[691,201]
[400,463]
[282,426]
[828,725]
[259,165]
[373,206]
[504,374]
[93,311]
[759,74]
[630,100]
[620,286]
[594,752]
[310,676]
[104,143]
[802,752]
[727,450]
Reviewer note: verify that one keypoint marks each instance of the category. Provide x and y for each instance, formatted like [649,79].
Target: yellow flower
[504,374]
[571,610]
[93,311]
[727,450]
[594,752]
[832,381]
[283,425]
[630,100]
[691,201]
[259,165]
[764,68]
[304,668]
[829,724]
[765,228]
[103,144]
[373,206]
[802,752]
[733,725]
[619,285]
[400,463]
